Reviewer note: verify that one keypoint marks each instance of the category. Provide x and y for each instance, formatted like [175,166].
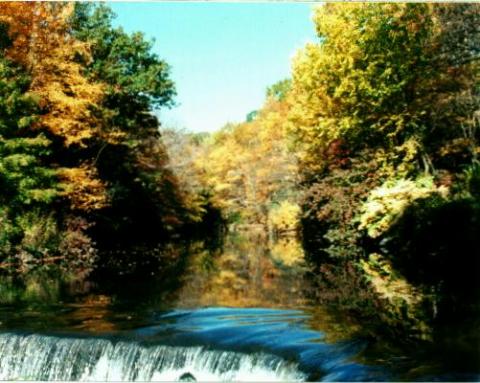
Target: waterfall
[41,357]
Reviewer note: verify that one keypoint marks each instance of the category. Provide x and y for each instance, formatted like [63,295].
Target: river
[244,312]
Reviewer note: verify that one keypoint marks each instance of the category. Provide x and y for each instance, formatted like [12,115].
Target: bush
[386,203]
[331,205]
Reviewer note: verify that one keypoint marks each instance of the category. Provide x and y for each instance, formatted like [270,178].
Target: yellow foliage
[83,188]
[22,19]
[387,202]
[284,217]
[246,164]
[42,42]
[362,86]
[287,251]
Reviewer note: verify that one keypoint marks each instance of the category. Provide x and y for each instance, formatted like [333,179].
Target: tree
[42,43]
[143,193]
[25,177]
[376,80]
[137,80]
[34,230]
[81,155]
[248,167]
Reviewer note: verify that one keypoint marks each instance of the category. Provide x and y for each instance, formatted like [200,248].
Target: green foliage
[279,90]
[28,184]
[39,233]
[376,80]
[25,179]
[9,234]
[138,81]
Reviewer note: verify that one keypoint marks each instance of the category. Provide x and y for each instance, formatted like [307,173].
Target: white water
[38,357]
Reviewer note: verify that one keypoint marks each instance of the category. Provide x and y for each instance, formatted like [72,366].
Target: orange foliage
[41,42]
[22,19]
[83,188]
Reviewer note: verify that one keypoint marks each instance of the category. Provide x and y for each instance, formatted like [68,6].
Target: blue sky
[222,55]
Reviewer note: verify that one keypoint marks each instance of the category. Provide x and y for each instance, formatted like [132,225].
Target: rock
[187,377]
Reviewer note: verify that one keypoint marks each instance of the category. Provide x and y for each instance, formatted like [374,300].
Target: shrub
[386,203]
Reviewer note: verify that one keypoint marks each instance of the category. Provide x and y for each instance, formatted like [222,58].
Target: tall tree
[42,43]
[25,177]
[143,192]
[377,80]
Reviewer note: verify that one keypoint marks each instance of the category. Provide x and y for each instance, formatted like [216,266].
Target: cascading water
[40,357]
[237,316]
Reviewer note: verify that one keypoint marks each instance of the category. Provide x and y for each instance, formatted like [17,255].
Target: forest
[368,152]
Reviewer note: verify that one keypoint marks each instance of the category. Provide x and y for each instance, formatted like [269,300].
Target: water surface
[243,313]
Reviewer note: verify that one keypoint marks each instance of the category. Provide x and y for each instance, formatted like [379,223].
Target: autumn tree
[80,137]
[377,80]
[34,230]
[67,99]
[393,86]
[384,112]
[143,192]
[248,166]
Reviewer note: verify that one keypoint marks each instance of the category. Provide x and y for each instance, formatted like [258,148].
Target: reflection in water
[245,309]
[245,274]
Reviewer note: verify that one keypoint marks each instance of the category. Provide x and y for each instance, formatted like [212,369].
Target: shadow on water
[247,309]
